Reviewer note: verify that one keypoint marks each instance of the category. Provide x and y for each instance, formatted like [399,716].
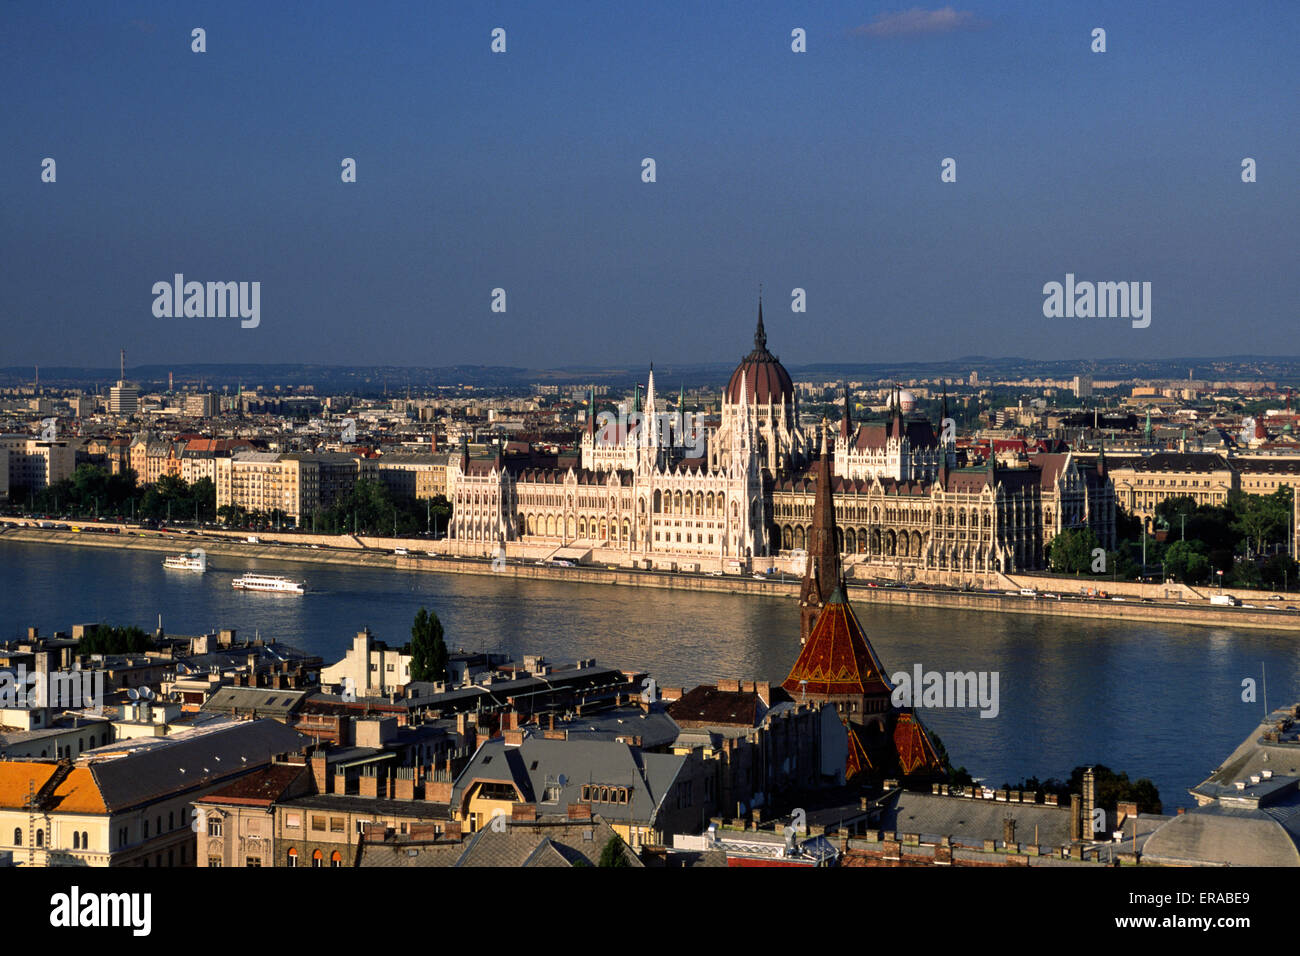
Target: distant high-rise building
[974,378]
[1083,386]
[201,405]
[123,399]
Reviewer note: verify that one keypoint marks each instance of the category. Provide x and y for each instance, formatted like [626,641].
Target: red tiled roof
[838,660]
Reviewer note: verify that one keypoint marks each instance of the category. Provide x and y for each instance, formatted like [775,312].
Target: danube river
[1158,701]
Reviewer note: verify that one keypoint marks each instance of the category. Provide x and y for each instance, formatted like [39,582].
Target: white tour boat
[196,560]
[267,582]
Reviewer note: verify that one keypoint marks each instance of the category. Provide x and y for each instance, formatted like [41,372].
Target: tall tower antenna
[122,376]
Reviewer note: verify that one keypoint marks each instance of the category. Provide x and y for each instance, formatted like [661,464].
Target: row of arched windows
[317,858]
[686,503]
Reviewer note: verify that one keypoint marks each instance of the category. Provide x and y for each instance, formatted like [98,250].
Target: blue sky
[522,170]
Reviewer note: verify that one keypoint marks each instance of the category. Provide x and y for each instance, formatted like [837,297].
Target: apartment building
[1141,483]
[295,483]
[128,804]
[33,463]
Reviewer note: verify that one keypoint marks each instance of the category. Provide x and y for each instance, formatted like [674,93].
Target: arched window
[40,838]
[85,840]
[317,858]
[76,840]
[336,859]
[293,856]
[18,836]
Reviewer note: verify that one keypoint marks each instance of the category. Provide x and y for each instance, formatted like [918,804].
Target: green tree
[427,648]
[1070,552]
[612,854]
[114,640]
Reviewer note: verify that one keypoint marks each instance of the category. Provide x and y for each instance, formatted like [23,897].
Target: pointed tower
[838,666]
[742,435]
[846,420]
[650,420]
[822,571]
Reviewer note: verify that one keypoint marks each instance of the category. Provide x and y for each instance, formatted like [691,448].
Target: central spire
[760,335]
[822,570]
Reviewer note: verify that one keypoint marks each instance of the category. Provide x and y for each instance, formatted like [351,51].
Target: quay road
[1259,610]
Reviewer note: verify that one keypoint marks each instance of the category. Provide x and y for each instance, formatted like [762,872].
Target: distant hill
[395,380]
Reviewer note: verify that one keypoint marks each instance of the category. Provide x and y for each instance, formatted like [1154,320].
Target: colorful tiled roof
[837,659]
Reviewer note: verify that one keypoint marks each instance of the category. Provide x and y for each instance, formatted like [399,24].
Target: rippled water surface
[1157,701]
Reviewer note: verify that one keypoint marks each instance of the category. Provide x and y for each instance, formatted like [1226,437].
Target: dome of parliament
[767,379]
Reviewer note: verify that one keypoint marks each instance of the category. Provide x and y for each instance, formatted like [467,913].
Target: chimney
[1089,801]
[404,783]
[318,771]
[523,813]
[580,811]
[437,791]
[369,783]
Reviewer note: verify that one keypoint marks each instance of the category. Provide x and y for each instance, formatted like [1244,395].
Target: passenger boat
[267,582]
[196,560]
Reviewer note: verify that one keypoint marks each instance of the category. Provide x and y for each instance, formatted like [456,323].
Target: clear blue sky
[523,170]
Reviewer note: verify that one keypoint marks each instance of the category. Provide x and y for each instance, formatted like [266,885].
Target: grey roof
[200,760]
[656,729]
[538,762]
[344,803]
[968,820]
[1255,754]
[267,702]
[410,854]
[1225,836]
[544,843]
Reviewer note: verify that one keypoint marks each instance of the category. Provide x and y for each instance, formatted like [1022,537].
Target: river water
[1156,701]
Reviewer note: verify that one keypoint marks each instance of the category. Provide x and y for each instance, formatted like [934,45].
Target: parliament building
[655,493]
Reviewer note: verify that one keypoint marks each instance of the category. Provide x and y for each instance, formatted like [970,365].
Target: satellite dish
[564,781]
[132,693]
[146,693]
[182,669]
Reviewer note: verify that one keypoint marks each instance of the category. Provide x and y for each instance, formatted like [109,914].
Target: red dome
[765,376]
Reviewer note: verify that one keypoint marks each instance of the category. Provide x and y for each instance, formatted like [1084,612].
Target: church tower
[838,667]
[822,573]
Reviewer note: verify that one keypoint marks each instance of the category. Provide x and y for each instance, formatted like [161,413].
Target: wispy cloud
[917,21]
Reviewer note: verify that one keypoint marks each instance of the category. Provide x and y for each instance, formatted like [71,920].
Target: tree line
[1245,538]
[92,491]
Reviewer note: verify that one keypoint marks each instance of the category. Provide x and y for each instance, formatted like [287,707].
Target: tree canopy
[427,648]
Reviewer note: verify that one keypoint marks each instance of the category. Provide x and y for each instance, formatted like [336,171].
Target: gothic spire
[760,335]
[846,422]
[822,570]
